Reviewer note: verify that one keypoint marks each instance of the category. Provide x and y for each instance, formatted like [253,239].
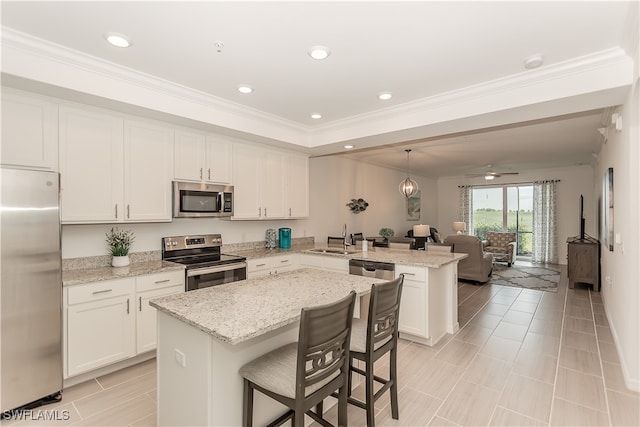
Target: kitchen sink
[332,251]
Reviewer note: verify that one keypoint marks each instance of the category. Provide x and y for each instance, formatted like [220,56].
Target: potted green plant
[119,242]
[386,233]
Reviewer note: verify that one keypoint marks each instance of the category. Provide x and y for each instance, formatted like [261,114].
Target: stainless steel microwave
[197,200]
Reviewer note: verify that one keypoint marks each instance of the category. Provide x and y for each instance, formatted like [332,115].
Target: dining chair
[301,375]
[372,338]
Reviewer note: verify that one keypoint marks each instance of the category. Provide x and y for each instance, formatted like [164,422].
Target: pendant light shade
[408,187]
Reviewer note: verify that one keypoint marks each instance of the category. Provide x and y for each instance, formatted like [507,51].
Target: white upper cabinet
[114,170]
[91,166]
[297,184]
[148,162]
[218,160]
[29,131]
[200,157]
[259,183]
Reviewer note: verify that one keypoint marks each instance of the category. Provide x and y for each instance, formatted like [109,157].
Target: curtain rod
[508,184]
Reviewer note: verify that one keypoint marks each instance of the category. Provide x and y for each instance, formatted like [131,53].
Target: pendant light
[408,187]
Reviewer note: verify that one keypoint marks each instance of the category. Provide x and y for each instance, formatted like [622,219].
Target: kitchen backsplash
[105,260]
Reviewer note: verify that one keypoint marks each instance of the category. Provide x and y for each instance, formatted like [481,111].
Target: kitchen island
[205,336]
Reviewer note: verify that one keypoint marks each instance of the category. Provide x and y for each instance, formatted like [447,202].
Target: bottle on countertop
[365,245]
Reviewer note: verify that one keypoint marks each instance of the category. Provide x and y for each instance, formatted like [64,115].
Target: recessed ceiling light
[349,146]
[118,40]
[245,89]
[533,61]
[319,52]
[385,96]
[316,116]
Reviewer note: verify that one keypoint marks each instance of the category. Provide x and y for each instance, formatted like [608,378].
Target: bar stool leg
[393,376]
[247,414]
[369,394]
[342,406]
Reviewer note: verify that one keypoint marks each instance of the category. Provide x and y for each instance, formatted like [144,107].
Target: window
[504,208]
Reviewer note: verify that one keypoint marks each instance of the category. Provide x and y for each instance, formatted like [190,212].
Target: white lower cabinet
[100,324]
[147,288]
[429,302]
[340,265]
[413,303]
[110,321]
[260,267]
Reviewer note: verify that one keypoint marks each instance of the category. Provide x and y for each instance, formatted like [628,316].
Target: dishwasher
[379,270]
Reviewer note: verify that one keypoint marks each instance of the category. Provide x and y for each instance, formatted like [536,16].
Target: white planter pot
[120,261]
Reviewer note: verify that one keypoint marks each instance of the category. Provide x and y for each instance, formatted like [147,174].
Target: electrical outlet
[181,359]
[609,281]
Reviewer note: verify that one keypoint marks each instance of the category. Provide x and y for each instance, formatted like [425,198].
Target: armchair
[478,266]
[502,244]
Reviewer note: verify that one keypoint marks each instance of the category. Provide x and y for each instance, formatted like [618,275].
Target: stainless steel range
[205,265]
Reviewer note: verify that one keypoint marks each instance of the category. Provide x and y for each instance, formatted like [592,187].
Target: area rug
[544,277]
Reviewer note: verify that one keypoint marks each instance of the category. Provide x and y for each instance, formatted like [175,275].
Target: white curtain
[466,206]
[545,245]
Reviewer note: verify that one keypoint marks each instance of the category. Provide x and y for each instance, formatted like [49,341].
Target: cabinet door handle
[127,305]
[140,303]
[289,211]
[128,215]
[265,212]
[409,274]
[284,260]
[259,212]
[260,265]
[116,211]
[162,281]
[209,174]
[200,173]
[102,292]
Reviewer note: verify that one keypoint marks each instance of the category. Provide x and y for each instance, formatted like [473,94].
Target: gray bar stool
[300,375]
[372,338]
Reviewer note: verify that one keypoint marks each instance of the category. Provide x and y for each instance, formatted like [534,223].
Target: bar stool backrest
[384,308]
[323,343]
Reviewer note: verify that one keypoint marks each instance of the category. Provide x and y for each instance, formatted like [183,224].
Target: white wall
[574,181]
[88,240]
[334,181]
[621,295]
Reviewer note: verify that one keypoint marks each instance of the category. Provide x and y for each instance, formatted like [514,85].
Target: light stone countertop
[236,312]
[88,275]
[431,259]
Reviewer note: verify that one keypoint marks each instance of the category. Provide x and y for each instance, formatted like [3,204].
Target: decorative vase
[120,261]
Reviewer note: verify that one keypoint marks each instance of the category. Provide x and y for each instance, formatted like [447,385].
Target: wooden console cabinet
[583,262]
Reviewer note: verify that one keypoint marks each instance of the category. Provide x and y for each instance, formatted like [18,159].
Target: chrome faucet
[344,237]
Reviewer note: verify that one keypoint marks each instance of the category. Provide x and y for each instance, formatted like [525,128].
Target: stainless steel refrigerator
[31,288]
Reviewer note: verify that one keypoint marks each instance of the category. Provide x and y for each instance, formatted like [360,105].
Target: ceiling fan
[490,174]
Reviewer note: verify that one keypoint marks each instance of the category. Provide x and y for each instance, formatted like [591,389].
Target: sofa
[502,244]
[478,266]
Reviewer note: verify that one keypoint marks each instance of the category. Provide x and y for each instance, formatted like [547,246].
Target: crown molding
[602,60]
[81,61]
[599,71]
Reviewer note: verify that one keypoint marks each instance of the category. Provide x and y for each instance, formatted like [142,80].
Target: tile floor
[521,358]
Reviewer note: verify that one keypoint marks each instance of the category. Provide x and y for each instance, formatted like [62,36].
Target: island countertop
[236,312]
[430,259]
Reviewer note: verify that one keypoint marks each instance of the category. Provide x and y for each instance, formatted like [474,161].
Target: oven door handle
[227,267]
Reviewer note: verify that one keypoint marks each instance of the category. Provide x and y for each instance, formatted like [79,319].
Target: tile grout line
[604,380]
[555,379]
